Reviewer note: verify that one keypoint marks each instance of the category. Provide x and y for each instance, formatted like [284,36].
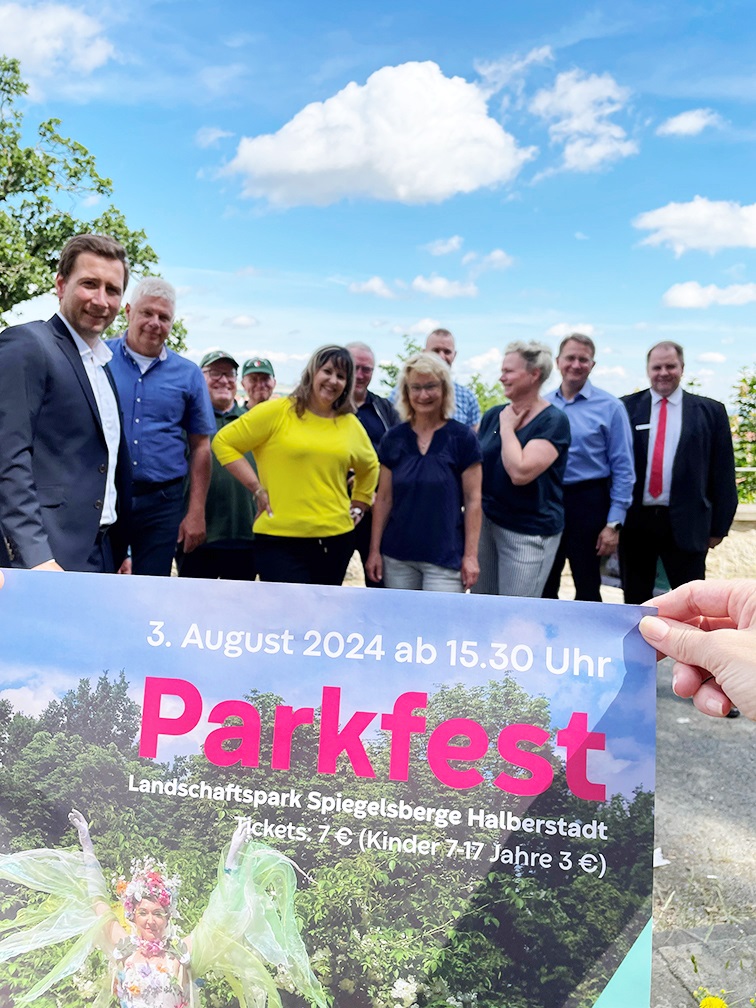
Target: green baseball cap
[258,365]
[215,355]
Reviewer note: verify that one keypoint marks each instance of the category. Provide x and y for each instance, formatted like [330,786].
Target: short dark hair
[100,245]
[667,345]
[577,337]
[339,357]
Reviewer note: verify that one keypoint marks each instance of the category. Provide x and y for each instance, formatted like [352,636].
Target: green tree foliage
[390,372]
[744,431]
[101,715]
[487,395]
[40,187]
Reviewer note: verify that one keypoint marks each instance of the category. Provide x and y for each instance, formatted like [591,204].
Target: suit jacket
[53,455]
[703,496]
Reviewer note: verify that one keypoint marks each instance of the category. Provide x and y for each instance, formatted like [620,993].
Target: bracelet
[260,489]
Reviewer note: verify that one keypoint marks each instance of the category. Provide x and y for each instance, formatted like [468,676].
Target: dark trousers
[586,506]
[304,561]
[156,516]
[646,538]
[229,563]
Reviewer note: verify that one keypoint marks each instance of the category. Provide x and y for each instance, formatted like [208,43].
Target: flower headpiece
[149,880]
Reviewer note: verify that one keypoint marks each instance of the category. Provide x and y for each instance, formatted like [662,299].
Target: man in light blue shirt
[598,482]
[166,407]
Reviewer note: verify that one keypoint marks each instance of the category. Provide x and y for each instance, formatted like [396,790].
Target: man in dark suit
[685,496]
[64,479]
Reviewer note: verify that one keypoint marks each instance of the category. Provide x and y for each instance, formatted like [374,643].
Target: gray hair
[426,363]
[359,345]
[537,356]
[154,287]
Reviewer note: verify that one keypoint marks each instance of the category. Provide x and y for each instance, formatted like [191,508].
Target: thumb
[680,641]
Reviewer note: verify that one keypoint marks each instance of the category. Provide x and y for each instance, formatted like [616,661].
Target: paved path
[705,898]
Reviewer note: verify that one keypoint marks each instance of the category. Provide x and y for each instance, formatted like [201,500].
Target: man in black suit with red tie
[685,496]
[65,486]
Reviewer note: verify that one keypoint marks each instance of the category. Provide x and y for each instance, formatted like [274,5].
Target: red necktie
[657,460]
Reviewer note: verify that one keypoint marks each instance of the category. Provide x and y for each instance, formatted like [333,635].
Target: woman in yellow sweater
[305,445]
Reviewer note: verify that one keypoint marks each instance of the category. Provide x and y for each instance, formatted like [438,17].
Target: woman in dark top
[524,448]
[430,469]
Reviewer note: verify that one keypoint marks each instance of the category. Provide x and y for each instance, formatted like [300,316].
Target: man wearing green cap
[228,551]
[258,380]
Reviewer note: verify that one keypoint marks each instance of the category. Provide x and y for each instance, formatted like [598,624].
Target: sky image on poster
[466,781]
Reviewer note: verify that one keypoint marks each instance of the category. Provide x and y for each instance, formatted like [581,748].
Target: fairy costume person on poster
[247,927]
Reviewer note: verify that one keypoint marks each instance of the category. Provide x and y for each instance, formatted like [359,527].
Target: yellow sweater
[303,464]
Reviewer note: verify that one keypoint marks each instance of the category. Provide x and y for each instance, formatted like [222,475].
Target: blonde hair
[426,363]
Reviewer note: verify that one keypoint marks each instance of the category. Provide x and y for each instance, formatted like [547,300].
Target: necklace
[150,947]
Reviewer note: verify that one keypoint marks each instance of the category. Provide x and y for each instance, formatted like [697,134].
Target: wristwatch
[615,526]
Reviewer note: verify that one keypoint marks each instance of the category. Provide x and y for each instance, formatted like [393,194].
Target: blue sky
[323,172]
[42,659]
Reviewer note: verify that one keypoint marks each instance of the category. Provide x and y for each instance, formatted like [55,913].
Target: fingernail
[674,685]
[714,706]
[653,628]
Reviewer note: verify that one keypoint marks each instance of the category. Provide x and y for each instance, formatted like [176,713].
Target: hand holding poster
[464,783]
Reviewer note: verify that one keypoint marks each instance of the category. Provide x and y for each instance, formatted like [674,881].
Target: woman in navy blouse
[524,448]
[430,470]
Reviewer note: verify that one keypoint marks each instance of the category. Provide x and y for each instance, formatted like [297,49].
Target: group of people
[106,461]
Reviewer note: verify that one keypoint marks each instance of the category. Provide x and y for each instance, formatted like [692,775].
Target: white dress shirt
[94,361]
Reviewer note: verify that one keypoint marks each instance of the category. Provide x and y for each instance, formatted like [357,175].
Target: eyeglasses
[221,375]
[429,387]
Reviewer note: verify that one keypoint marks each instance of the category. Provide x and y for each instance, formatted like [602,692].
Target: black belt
[141,487]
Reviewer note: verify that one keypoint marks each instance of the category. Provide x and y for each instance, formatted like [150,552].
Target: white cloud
[241,322]
[218,81]
[711,357]
[52,40]
[704,224]
[609,372]
[509,71]
[409,135]
[689,123]
[375,285]
[442,246]
[562,329]
[580,236]
[580,106]
[497,259]
[438,286]
[484,363]
[694,295]
[423,327]
[208,136]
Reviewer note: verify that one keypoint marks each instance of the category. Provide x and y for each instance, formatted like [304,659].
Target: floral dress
[159,981]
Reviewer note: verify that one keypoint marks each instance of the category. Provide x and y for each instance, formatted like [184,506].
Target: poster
[465,783]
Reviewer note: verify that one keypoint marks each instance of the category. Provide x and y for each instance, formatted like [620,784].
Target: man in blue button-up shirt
[598,482]
[165,407]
